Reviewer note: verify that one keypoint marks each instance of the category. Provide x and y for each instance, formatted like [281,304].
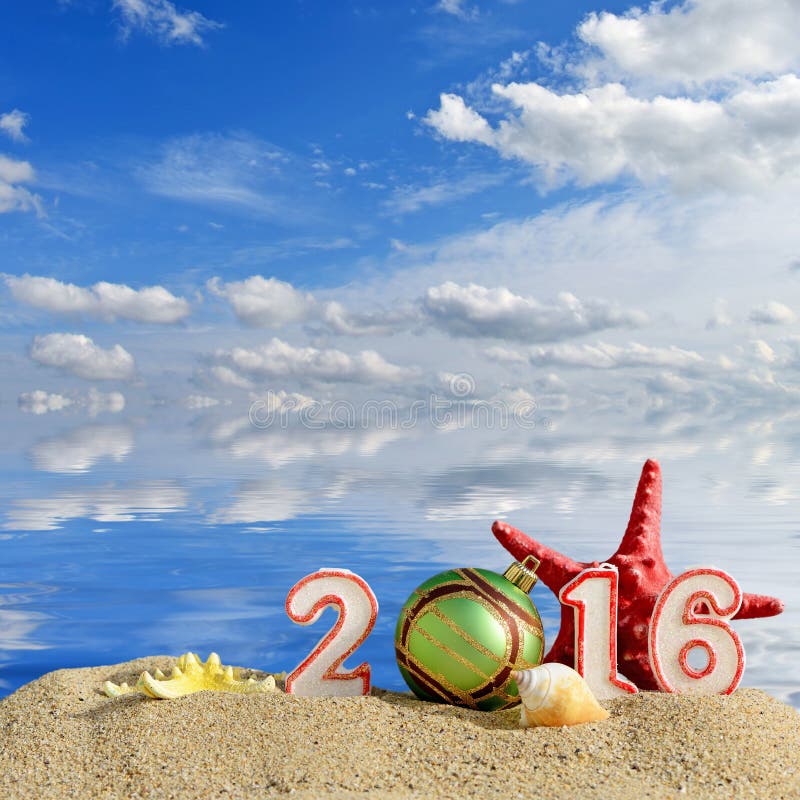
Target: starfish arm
[643,534]
[555,569]
[759,605]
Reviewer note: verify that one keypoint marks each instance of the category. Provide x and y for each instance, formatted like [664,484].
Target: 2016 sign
[691,614]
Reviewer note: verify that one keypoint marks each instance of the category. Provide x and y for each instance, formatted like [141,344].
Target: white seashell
[553,695]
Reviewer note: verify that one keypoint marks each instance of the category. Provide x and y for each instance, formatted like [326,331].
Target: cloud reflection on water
[99,503]
[80,449]
[419,497]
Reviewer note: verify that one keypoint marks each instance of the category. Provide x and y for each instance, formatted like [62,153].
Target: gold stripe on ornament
[454,655]
[465,697]
[430,683]
[432,592]
[496,596]
[471,592]
[491,596]
[535,631]
[431,686]
[472,642]
[420,674]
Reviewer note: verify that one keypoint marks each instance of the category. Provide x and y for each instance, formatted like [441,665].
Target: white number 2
[321,673]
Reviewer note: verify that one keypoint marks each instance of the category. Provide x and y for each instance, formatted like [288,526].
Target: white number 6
[692,613]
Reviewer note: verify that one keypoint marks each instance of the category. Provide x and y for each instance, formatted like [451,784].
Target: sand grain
[61,737]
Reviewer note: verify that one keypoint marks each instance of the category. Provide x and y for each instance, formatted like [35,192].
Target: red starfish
[642,576]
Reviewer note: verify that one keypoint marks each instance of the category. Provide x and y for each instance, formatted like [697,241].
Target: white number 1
[593,594]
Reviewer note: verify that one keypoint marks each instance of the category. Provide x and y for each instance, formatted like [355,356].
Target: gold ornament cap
[523,574]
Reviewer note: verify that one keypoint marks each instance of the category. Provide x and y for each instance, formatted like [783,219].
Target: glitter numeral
[321,673]
[593,594]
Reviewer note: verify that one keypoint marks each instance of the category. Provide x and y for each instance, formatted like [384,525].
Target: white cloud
[763,352]
[772,313]
[13,123]
[505,356]
[475,310]
[264,302]
[79,450]
[515,67]
[720,318]
[745,141]
[456,8]
[107,300]
[409,199]
[16,631]
[278,359]
[735,127]
[80,356]
[480,502]
[668,383]
[229,377]
[102,504]
[14,197]
[162,20]
[271,303]
[291,248]
[282,402]
[236,171]
[455,121]
[40,402]
[280,446]
[609,356]
[695,42]
[382,322]
[15,171]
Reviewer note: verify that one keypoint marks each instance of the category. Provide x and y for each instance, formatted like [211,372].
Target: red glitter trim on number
[683,658]
[612,577]
[691,617]
[363,670]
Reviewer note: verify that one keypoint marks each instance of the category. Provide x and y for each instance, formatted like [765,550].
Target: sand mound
[63,738]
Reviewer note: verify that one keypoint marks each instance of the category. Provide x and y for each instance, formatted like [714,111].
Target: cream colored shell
[553,695]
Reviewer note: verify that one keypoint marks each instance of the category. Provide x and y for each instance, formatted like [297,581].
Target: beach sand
[61,737]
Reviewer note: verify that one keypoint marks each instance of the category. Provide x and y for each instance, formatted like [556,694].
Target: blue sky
[316,91]
[581,208]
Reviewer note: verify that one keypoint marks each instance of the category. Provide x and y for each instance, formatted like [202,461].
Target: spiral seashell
[553,695]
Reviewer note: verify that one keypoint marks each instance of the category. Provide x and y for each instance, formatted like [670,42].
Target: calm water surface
[168,534]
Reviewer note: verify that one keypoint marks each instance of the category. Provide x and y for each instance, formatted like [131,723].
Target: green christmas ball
[464,631]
